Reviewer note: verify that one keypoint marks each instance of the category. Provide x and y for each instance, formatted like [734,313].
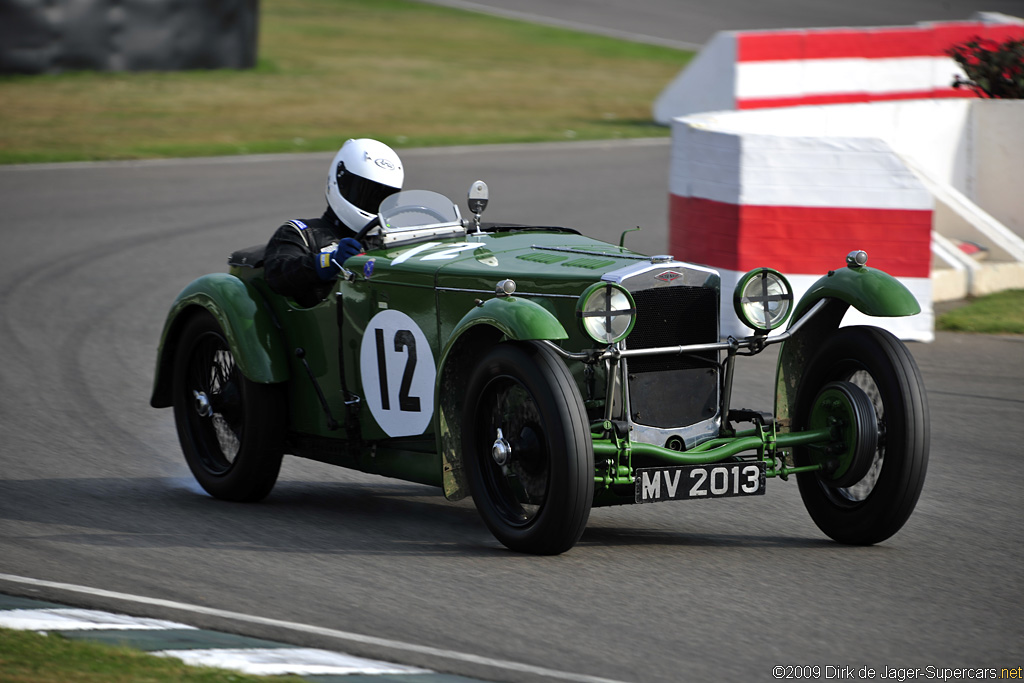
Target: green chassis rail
[617,452]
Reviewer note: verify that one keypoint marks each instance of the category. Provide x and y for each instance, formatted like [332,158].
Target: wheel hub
[203,407]
[847,410]
[501,451]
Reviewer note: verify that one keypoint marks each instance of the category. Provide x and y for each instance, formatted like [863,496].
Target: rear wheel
[877,505]
[527,448]
[230,428]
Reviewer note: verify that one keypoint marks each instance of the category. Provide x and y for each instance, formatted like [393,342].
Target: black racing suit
[289,264]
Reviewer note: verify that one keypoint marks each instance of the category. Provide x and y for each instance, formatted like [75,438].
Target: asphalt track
[94,492]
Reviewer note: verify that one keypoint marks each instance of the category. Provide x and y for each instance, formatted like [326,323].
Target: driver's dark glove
[330,260]
[347,248]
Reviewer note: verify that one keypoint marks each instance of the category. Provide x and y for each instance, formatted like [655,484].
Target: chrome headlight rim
[753,288]
[596,302]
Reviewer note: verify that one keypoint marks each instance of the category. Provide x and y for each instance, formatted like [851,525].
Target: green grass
[999,313]
[407,73]
[28,657]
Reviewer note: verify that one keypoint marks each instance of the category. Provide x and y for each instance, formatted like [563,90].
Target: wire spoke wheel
[527,449]
[877,505]
[213,382]
[231,429]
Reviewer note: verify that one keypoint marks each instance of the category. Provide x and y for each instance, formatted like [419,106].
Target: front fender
[517,318]
[252,332]
[482,327]
[871,291]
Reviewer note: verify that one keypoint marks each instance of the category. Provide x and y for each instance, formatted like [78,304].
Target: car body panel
[870,291]
[248,324]
[448,285]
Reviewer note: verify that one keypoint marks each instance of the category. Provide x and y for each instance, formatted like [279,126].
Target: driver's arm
[296,265]
[290,262]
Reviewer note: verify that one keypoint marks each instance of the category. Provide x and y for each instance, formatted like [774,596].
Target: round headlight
[763,299]
[607,312]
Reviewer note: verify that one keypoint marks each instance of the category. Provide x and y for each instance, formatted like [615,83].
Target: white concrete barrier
[798,188]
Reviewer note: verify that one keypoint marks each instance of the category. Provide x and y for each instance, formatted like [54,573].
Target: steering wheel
[374,222]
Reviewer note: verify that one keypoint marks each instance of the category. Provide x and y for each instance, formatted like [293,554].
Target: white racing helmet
[362,174]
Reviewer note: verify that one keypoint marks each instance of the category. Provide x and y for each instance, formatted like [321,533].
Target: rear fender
[493,321]
[871,291]
[252,332]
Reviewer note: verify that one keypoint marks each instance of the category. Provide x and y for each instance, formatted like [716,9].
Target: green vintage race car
[543,373]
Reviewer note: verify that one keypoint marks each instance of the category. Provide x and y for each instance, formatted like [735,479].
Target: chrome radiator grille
[672,316]
[673,391]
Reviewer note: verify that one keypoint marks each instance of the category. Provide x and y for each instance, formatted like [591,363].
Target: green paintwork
[506,317]
[315,331]
[870,291]
[766,445]
[255,340]
[519,319]
[447,287]
[833,409]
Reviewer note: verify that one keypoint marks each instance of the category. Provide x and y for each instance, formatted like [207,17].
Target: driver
[304,256]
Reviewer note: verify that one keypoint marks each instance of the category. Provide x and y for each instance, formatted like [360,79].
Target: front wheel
[230,428]
[876,506]
[527,448]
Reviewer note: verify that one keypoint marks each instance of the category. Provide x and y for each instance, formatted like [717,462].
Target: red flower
[991,69]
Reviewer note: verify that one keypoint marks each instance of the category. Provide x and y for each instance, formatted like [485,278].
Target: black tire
[231,429]
[876,507]
[539,502]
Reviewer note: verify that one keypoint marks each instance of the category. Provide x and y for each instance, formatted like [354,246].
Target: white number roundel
[398,372]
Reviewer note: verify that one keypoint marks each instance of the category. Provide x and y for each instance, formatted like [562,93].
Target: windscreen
[417,209]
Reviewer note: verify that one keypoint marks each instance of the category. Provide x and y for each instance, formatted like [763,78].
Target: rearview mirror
[477,198]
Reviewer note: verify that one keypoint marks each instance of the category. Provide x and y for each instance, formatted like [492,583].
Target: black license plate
[699,482]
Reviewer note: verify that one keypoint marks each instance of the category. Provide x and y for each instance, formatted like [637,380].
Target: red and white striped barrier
[742,200]
[783,68]
[795,186]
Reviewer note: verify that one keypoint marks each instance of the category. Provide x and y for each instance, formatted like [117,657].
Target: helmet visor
[363,193]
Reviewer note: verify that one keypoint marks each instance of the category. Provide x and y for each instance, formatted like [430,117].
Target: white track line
[71,619]
[315,630]
[297,661]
